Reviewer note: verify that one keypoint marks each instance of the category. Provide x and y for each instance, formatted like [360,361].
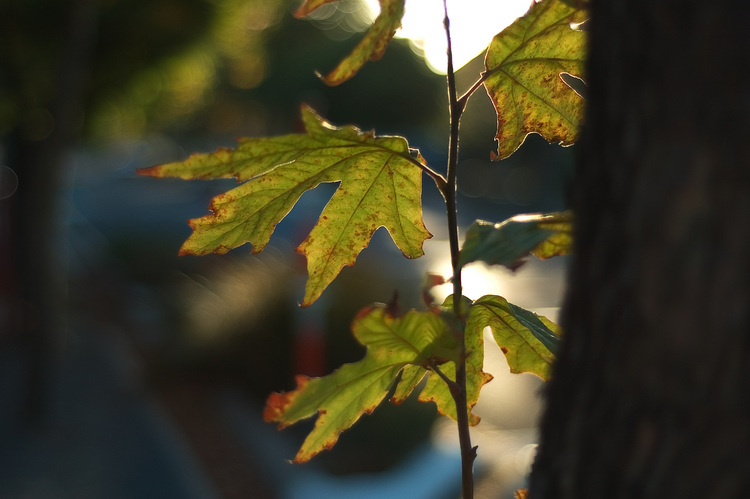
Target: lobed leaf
[523,67]
[394,344]
[436,390]
[510,242]
[380,186]
[528,341]
[371,47]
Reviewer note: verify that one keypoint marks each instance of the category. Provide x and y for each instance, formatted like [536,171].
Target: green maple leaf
[523,67]
[508,243]
[529,341]
[381,183]
[371,47]
[409,343]
[435,389]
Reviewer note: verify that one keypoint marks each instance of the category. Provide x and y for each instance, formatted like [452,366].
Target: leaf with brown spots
[394,344]
[436,390]
[529,341]
[380,186]
[524,64]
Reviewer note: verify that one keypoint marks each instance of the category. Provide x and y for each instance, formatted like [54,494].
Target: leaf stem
[451,384]
[465,97]
[440,181]
[458,391]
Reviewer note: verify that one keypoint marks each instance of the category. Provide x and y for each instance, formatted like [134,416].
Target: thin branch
[458,389]
[465,97]
[440,181]
[451,384]
[450,193]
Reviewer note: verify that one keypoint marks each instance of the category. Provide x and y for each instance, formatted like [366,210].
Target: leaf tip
[305,454]
[151,171]
[330,79]
[278,402]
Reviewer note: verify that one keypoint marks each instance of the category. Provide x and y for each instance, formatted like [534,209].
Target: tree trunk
[651,393]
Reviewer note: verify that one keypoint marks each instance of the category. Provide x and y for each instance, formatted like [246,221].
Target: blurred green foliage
[197,67]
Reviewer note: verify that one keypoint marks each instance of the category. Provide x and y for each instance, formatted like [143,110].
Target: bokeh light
[473,25]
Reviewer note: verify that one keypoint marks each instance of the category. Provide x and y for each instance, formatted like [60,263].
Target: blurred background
[128,372]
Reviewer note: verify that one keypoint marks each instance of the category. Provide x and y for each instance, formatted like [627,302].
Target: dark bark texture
[651,393]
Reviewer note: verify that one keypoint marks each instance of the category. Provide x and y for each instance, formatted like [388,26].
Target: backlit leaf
[561,240]
[341,398]
[509,242]
[528,341]
[371,47]
[436,390]
[381,184]
[524,63]
[411,376]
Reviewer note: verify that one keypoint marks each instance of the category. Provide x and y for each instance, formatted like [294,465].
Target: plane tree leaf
[380,186]
[436,390]
[529,341]
[524,63]
[394,345]
[371,47]
[510,242]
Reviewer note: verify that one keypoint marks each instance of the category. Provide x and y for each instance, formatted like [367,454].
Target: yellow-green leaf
[561,240]
[372,46]
[380,186]
[411,376]
[528,341]
[436,390]
[508,243]
[341,398]
[524,63]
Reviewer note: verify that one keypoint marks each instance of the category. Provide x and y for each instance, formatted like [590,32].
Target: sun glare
[473,24]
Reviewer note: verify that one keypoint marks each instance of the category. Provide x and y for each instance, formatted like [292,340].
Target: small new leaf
[510,242]
[381,185]
[524,63]
[341,398]
[371,47]
[528,341]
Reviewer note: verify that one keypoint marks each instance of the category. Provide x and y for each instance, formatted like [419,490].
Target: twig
[440,181]
[458,390]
